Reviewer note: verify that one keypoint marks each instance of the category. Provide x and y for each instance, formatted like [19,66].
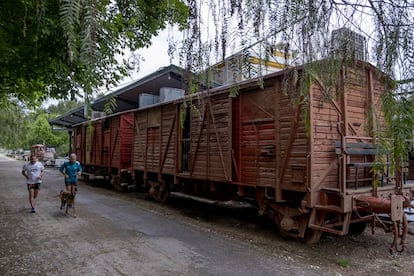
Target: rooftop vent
[146,99]
[169,94]
[348,44]
[97,114]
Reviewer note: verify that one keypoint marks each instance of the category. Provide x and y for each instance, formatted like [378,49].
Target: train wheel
[159,191]
[312,236]
[116,182]
[357,228]
[85,177]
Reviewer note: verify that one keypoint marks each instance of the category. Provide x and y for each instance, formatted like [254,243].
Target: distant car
[49,158]
[19,156]
[60,160]
[26,155]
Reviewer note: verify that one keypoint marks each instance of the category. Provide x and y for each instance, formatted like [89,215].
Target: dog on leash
[68,198]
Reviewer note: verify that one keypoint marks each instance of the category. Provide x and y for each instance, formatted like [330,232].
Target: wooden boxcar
[299,144]
[103,146]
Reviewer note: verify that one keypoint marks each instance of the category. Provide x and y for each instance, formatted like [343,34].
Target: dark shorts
[35,186]
[67,183]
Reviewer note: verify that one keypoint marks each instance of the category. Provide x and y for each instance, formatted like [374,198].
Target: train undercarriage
[357,209]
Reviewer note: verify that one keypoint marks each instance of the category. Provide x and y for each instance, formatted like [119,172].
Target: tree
[57,49]
[219,27]
[14,126]
[60,108]
[39,132]
[23,128]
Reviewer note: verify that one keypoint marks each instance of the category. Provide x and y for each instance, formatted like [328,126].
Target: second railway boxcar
[154,154]
[299,143]
[103,146]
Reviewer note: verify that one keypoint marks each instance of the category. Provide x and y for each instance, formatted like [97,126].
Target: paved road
[115,234]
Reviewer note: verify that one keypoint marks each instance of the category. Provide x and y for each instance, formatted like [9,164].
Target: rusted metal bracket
[400,232]
[394,206]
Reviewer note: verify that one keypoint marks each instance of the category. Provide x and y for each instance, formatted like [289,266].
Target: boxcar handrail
[365,151]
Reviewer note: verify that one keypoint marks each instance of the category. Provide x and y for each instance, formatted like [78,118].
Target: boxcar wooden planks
[103,146]
[211,139]
[154,140]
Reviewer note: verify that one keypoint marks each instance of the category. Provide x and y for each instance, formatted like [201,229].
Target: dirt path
[124,234]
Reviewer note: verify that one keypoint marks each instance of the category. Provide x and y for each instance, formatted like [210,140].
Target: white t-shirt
[33,172]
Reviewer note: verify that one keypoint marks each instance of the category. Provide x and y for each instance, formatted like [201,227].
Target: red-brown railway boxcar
[103,147]
[299,143]
[154,154]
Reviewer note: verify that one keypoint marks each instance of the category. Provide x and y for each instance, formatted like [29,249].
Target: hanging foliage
[303,32]
[60,49]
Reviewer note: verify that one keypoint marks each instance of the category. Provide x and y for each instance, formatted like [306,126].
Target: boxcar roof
[127,97]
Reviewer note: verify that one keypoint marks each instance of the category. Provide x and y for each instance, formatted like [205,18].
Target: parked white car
[49,158]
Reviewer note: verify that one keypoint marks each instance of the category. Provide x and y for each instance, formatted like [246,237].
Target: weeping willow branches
[225,27]
[302,30]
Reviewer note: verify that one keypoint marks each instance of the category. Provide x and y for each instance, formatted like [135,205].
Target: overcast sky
[153,58]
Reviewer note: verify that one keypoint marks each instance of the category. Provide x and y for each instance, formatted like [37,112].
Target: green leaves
[70,12]
[23,126]
[57,48]
[13,126]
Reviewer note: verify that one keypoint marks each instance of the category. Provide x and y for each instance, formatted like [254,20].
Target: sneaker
[33,210]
